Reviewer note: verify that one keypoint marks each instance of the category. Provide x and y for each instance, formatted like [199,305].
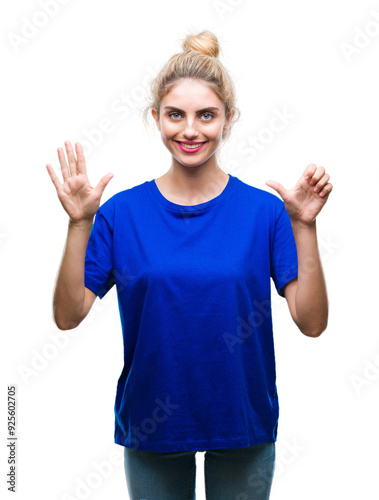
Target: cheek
[168,131]
[214,131]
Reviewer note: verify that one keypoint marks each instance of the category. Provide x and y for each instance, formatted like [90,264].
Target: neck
[192,185]
[200,180]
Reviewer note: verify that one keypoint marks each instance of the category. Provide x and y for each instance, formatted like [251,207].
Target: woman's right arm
[72,300]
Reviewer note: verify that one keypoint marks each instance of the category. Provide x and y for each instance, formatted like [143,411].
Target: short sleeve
[98,265]
[284,263]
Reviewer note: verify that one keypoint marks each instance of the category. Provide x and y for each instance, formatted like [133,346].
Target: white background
[59,84]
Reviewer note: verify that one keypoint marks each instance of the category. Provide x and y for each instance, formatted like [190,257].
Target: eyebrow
[172,108]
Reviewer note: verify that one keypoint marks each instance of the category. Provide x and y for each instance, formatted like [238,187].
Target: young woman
[192,253]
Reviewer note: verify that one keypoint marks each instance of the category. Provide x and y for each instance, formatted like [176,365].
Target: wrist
[82,223]
[300,225]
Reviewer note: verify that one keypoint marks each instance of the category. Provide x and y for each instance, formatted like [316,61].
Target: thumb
[278,187]
[103,182]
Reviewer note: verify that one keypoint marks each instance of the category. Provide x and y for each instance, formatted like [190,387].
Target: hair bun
[205,42]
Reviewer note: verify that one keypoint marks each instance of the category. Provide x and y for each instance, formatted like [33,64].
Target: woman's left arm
[306,295]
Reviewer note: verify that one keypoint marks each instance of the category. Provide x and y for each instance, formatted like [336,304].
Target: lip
[192,150]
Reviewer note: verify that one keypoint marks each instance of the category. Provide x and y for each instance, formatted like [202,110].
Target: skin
[192,178]
[306,295]
[196,178]
[72,300]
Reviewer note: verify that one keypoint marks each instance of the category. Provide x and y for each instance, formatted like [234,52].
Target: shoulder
[122,199]
[261,199]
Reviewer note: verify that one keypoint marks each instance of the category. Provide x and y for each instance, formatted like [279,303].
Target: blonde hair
[199,60]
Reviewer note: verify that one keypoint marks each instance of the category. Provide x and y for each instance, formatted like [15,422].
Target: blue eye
[207,120]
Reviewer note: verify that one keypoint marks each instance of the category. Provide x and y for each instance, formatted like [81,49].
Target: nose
[190,131]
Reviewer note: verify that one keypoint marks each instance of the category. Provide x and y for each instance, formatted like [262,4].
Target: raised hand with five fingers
[306,199]
[79,199]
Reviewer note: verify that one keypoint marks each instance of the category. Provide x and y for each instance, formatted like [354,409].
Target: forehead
[191,93]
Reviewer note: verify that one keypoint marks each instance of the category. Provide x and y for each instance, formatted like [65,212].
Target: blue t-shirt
[194,295]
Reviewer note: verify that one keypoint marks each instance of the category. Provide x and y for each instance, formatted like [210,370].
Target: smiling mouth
[190,147]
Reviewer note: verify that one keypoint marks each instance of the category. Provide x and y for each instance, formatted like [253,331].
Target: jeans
[229,474]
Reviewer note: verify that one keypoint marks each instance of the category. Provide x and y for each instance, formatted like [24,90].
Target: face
[192,113]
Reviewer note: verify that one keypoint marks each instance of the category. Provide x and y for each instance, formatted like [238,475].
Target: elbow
[64,323]
[63,320]
[315,331]
[314,326]
[313,334]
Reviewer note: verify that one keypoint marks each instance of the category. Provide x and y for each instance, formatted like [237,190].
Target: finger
[63,164]
[102,184]
[326,190]
[71,158]
[320,171]
[53,176]
[81,160]
[321,183]
[309,171]
[278,188]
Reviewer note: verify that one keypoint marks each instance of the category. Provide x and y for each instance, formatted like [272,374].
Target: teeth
[190,146]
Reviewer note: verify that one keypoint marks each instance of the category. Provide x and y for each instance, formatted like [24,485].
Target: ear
[227,123]
[155,116]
